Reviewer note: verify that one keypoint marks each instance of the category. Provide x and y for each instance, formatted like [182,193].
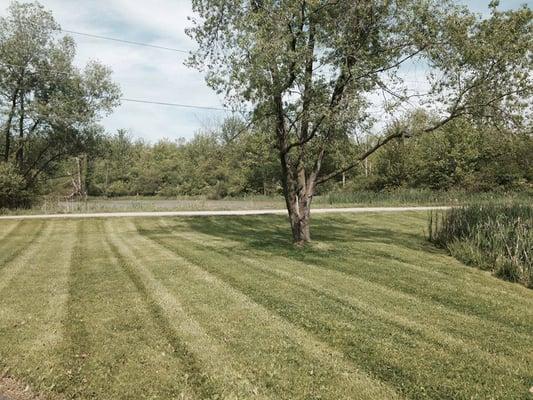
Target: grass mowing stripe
[124,355]
[474,279]
[152,248]
[344,376]
[202,384]
[32,311]
[75,328]
[54,297]
[456,273]
[401,309]
[263,296]
[400,244]
[355,243]
[211,353]
[388,312]
[441,292]
[400,303]
[285,308]
[290,323]
[20,238]
[285,268]
[286,311]
[7,228]
[21,257]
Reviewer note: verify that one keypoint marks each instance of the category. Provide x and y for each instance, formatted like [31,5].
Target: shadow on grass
[330,235]
[338,241]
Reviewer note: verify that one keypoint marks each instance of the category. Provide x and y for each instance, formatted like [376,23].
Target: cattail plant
[494,237]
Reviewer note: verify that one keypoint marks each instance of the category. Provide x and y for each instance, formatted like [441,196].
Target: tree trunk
[299,217]
[7,129]
[20,151]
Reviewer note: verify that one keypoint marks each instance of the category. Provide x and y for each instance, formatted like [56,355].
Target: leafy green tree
[308,68]
[460,155]
[49,107]
[115,170]
[12,187]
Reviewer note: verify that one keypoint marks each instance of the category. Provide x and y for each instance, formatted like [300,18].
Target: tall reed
[494,237]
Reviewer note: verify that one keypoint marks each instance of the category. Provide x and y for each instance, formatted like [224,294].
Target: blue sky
[152,74]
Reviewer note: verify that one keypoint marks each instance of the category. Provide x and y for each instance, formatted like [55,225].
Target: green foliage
[50,108]
[460,155]
[458,159]
[267,50]
[214,164]
[13,193]
[414,197]
[498,238]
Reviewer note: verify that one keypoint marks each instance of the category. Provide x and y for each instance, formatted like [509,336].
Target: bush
[117,189]
[495,237]
[12,188]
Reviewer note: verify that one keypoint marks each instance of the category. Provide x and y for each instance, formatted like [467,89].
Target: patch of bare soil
[11,389]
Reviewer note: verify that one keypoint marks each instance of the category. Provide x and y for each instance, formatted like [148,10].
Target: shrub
[495,237]
[117,189]
[13,193]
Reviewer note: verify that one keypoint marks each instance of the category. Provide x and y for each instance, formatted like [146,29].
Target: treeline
[458,156]
[213,164]
[51,141]
[49,108]
[235,161]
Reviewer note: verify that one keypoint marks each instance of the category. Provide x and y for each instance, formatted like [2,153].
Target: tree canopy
[49,107]
[310,67]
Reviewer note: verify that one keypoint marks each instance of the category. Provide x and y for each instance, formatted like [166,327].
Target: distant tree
[308,68]
[49,107]
[12,188]
[460,155]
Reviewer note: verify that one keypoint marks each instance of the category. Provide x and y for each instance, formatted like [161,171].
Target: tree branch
[383,141]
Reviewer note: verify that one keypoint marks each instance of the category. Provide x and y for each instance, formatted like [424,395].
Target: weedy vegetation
[493,237]
[421,197]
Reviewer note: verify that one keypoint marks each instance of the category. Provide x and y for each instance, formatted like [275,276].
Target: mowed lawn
[201,308]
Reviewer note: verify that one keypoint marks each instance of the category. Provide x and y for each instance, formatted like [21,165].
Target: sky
[153,74]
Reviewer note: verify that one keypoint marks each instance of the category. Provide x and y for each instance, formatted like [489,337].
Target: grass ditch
[493,237]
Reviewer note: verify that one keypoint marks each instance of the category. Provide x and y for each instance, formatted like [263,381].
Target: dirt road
[218,213]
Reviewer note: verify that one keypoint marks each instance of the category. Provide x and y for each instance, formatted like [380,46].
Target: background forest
[52,142]
[234,161]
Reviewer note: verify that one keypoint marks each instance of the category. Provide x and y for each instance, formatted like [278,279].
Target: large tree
[49,107]
[310,67]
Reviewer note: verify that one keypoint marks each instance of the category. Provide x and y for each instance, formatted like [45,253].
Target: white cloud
[152,74]
[143,73]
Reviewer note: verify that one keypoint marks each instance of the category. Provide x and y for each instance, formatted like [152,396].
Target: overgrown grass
[498,238]
[404,197]
[228,308]
[412,197]
[52,205]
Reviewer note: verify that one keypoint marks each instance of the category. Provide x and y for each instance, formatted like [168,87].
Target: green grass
[423,197]
[200,308]
[132,204]
[403,197]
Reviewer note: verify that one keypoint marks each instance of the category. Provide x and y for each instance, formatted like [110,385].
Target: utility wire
[123,41]
[143,101]
[161,103]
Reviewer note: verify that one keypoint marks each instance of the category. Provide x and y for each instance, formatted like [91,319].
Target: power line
[161,103]
[123,41]
[143,101]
